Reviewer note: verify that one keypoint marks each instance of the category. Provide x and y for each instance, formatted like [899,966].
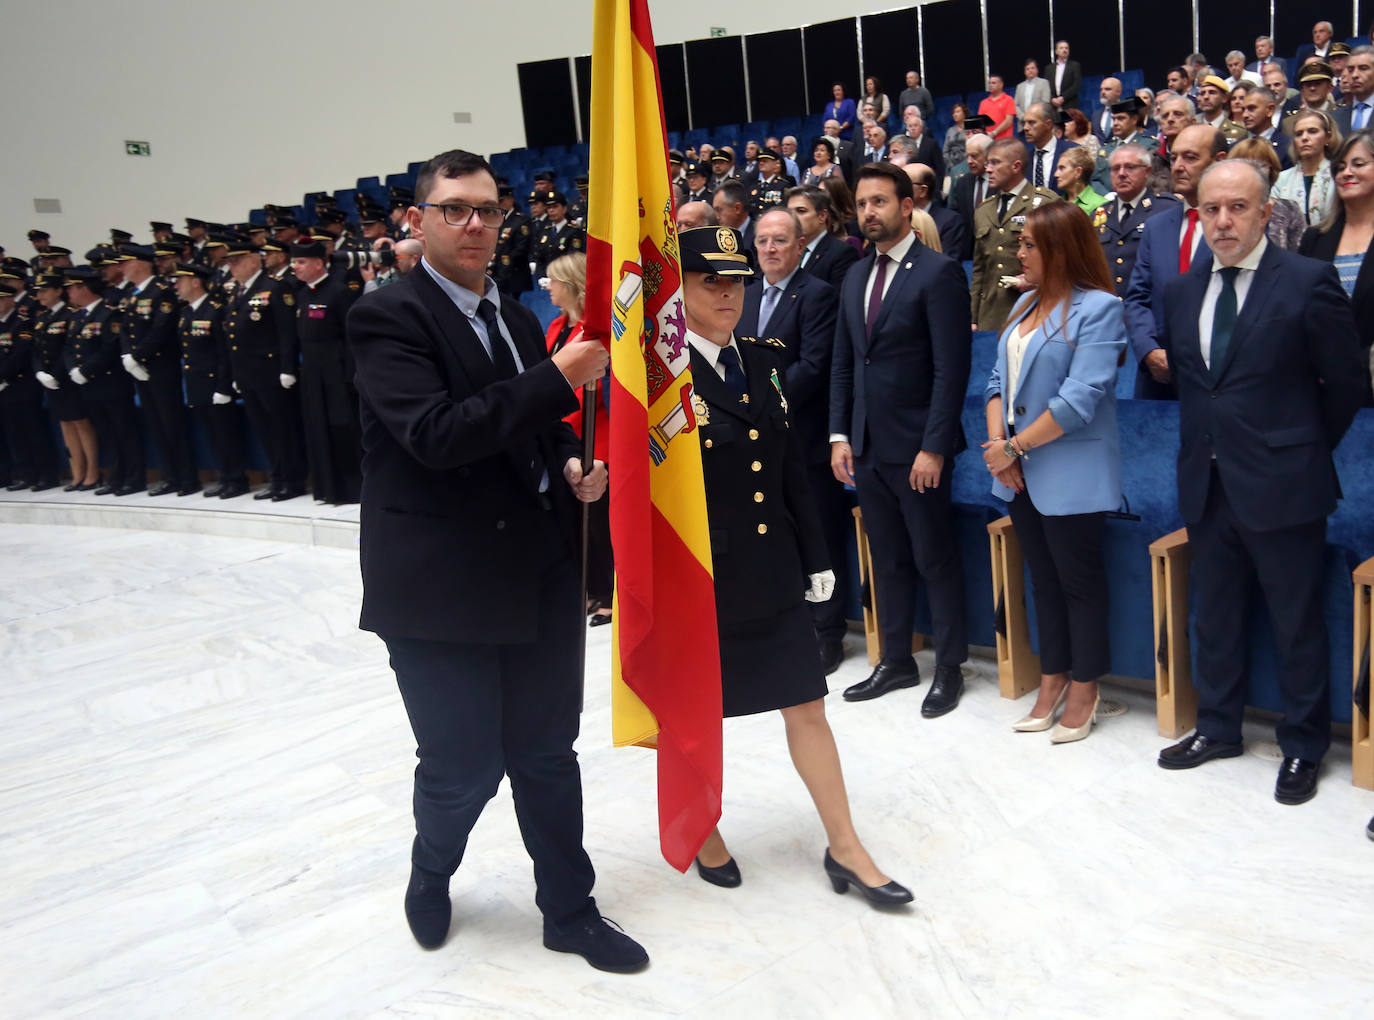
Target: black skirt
[770,663]
[65,403]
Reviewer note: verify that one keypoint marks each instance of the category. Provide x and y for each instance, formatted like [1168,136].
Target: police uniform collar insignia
[703,411]
[1145,202]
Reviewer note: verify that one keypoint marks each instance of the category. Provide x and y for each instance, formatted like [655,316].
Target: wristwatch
[1009,448]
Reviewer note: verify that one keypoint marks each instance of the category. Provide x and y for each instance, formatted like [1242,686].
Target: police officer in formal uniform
[41,241]
[149,349]
[399,199]
[558,236]
[1121,219]
[166,255]
[767,192]
[510,266]
[92,356]
[698,182]
[723,166]
[26,433]
[260,326]
[276,262]
[63,395]
[577,211]
[677,173]
[208,377]
[997,225]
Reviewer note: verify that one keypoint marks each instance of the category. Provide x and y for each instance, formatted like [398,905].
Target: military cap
[7,291]
[309,250]
[1132,105]
[180,239]
[38,235]
[47,280]
[120,236]
[269,207]
[1211,79]
[102,255]
[191,223]
[87,276]
[196,269]
[371,215]
[692,166]
[284,221]
[675,157]
[977,122]
[157,225]
[555,198]
[724,154]
[717,250]
[505,191]
[1317,70]
[272,246]
[540,195]
[169,247]
[142,252]
[545,173]
[57,249]
[240,245]
[582,180]
[769,154]
[324,200]
[322,238]
[330,214]
[1338,49]
[17,277]
[217,240]
[17,266]
[399,197]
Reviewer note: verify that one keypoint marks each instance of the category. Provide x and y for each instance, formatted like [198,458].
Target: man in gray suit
[1034,89]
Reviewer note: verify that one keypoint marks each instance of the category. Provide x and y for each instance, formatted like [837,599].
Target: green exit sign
[717,32]
[137,149]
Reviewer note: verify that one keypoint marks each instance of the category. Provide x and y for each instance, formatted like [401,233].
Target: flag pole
[588,459]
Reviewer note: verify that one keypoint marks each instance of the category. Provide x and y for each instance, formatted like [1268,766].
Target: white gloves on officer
[822,585]
[78,377]
[47,380]
[4,386]
[222,398]
[287,381]
[136,370]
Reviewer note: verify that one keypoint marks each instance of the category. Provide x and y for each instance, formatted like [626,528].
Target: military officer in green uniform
[997,225]
[1213,102]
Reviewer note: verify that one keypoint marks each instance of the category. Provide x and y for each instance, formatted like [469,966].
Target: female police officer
[767,551]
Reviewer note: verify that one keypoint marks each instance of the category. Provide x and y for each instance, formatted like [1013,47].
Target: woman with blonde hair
[1072,174]
[926,230]
[1308,181]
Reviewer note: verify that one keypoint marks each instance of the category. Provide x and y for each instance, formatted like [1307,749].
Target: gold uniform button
[753,433]
[1120,261]
[999,247]
[756,466]
[758,497]
[763,529]
[1118,279]
[708,444]
[1120,242]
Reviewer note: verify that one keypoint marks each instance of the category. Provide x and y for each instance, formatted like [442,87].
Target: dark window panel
[891,48]
[832,55]
[1158,37]
[1225,25]
[1093,31]
[672,82]
[1017,30]
[584,94]
[546,99]
[716,70]
[953,47]
[776,86]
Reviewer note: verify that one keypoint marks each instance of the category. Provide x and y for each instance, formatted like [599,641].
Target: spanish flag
[666,661]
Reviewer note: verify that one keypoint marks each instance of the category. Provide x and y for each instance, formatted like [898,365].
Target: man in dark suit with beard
[1265,351]
[898,376]
[470,487]
[824,255]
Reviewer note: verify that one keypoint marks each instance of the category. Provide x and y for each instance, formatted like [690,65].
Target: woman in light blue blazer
[1055,455]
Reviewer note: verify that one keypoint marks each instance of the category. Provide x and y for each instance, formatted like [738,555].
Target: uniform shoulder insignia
[289,298]
[353,284]
[773,341]
[216,304]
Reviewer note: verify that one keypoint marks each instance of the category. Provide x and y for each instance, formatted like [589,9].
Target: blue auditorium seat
[406,180]
[538,301]
[257,216]
[372,188]
[415,168]
[757,130]
[1131,81]
[675,140]
[347,201]
[790,126]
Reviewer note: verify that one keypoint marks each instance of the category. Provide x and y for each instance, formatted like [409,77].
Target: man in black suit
[1043,148]
[793,312]
[470,488]
[969,191]
[1066,76]
[949,223]
[1264,348]
[925,148]
[898,377]
[824,255]
[1359,112]
[1257,115]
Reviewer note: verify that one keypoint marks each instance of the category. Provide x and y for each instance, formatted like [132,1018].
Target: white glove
[3,386]
[822,586]
[78,376]
[222,398]
[287,381]
[236,388]
[46,380]
[132,366]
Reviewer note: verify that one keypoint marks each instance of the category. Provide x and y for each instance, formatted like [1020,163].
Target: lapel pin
[907,266]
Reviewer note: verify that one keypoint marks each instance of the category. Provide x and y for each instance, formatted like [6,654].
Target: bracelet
[1019,452]
[997,439]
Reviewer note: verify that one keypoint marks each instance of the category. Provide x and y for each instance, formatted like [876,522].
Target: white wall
[258,101]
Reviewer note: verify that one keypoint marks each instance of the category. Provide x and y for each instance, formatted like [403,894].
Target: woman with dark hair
[1054,453]
[873,94]
[1344,236]
[1079,130]
[1286,222]
[841,109]
[1308,181]
[64,397]
[955,138]
[823,162]
[844,219]
[768,553]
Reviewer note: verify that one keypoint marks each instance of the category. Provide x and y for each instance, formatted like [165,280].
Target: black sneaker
[599,941]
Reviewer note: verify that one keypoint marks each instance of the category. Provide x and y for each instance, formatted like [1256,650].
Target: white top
[1016,350]
[711,351]
[1244,278]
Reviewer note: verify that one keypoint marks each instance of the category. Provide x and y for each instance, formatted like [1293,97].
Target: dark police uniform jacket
[766,536]
[150,328]
[16,358]
[510,266]
[552,243]
[260,325]
[49,343]
[93,345]
[1119,243]
[204,352]
[326,360]
[766,195]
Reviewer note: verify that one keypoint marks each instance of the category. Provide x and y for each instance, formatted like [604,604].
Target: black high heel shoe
[891,895]
[726,876]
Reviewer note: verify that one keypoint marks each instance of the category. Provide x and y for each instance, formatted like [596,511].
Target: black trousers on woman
[1069,579]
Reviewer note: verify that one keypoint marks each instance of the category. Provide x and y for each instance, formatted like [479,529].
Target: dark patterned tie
[1224,317]
[501,356]
[875,299]
[734,372]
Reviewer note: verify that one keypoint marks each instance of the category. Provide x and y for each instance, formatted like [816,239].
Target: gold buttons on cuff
[763,529]
[758,497]
[753,433]
[756,466]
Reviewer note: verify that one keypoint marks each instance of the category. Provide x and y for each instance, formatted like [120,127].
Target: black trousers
[116,425]
[1069,578]
[481,711]
[600,559]
[837,523]
[30,453]
[224,425]
[912,537]
[275,415]
[1228,560]
[165,414]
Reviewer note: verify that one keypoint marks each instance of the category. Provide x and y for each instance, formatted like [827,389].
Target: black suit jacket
[1073,80]
[901,391]
[961,201]
[451,514]
[831,260]
[953,234]
[803,323]
[1272,410]
[1322,245]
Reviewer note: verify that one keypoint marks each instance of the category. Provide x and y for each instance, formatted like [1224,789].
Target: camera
[358,259]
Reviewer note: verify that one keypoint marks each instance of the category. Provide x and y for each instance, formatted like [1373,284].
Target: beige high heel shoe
[1063,735]
[1032,724]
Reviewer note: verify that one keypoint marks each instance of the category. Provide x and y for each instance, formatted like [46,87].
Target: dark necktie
[734,372]
[1224,318]
[500,351]
[978,193]
[1040,167]
[1002,202]
[875,299]
[1125,208]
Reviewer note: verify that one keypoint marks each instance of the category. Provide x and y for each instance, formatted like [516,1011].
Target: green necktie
[1224,318]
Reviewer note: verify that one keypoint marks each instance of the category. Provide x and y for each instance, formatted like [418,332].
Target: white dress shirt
[1244,278]
[711,351]
[1183,231]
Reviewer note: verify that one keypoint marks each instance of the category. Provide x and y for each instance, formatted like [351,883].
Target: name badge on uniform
[315,311]
[1018,221]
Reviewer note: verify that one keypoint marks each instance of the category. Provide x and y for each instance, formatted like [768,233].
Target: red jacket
[601,439]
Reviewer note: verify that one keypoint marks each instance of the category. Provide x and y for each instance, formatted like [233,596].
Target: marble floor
[205,812]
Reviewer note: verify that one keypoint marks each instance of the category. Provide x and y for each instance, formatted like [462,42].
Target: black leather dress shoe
[229,490]
[726,876]
[1369,829]
[945,691]
[128,490]
[71,488]
[841,878]
[1297,782]
[599,620]
[595,940]
[162,489]
[18,485]
[42,486]
[832,654]
[188,490]
[213,491]
[88,486]
[886,676]
[1190,752]
[282,495]
[428,910]
[267,493]
[104,490]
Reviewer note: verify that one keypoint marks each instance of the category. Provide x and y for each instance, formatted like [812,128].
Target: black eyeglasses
[459,214]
